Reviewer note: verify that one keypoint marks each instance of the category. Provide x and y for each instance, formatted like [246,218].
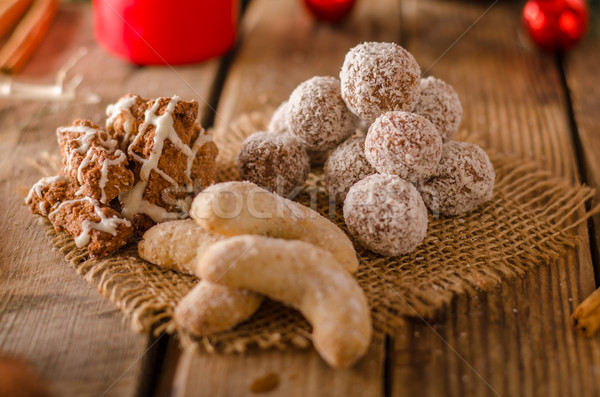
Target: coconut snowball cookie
[386,214]
[345,166]
[275,161]
[379,77]
[464,179]
[278,122]
[403,144]
[439,103]
[318,116]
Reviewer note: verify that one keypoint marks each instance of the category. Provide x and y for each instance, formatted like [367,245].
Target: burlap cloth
[528,222]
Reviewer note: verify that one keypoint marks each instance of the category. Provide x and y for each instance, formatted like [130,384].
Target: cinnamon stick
[586,317]
[27,35]
[10,12]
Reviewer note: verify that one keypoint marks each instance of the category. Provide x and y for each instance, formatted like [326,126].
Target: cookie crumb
[264,383]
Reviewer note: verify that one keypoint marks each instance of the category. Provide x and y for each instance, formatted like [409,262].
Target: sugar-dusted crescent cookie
[301,275]
[208,308]
[234,208]
[175,244]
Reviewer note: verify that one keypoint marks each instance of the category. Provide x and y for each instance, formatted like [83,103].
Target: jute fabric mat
[528,222]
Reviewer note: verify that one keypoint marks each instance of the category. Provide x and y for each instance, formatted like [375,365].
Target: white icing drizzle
[84,141]
[106,225]
[37,188]
[122,107]
[133,201]
[90,158]
[104,171]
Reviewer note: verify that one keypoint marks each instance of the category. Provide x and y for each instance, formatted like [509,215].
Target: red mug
[155,32]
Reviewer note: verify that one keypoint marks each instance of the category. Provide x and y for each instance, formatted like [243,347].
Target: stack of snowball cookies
[387,178]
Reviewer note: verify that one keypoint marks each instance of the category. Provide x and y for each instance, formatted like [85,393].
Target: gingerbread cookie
[91,157]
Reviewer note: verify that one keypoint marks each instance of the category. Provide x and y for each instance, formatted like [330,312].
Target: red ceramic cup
[166,31]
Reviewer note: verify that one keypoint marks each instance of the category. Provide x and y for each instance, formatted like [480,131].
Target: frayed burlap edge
[528,222]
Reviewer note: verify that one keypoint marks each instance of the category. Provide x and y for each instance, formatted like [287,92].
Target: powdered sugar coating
[278,122]
[273,160]
[386,214]
[345,166]
[439,103]
[318,116]
[403,144]
[379,77]
[464,179]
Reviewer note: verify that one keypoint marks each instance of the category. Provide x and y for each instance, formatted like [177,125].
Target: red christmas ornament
[329,10]
[556,25]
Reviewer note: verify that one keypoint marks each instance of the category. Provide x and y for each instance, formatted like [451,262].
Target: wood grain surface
[514,341]
[581,66]
[49,315]
[298,373]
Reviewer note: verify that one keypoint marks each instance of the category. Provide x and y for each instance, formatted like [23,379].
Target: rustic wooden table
[514,341]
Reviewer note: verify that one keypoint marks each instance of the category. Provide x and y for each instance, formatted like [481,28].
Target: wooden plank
[282,46]
[581,72]
[517,340]
[297,372]
[168,368]
[49,315]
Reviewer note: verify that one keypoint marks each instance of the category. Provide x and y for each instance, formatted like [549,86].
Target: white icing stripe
[106,225]
[87,133]
[122,107]
[85,141]
[104,172]
[42,183]
[90,158]
[37,188]
[157,170]
[133,201]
